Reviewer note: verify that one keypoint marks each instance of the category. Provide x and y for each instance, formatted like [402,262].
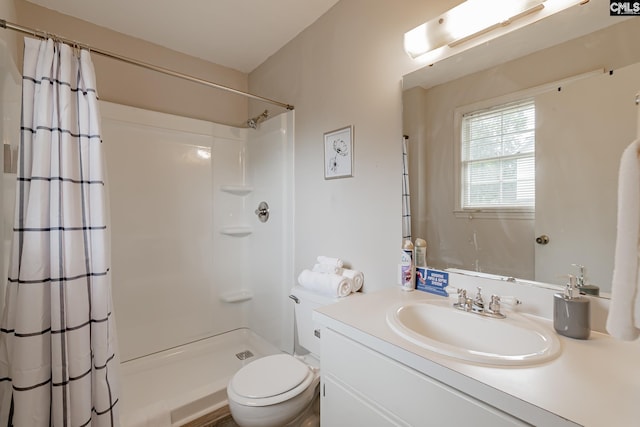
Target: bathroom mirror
[583,72]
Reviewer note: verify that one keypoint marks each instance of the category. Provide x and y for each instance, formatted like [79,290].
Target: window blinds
[498,157]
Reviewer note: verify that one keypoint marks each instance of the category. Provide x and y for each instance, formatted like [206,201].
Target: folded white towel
[356,276]
[328,284]
[623,321]
[326,268]
[337,262]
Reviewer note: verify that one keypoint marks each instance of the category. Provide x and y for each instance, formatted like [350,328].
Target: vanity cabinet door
[340,407]
[405,394]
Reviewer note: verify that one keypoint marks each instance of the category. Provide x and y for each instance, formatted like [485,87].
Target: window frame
[457,123]
[498,212]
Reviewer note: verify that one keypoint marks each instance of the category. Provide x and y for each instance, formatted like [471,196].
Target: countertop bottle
[420,261]
[420,253]
[571,312]
[407,278]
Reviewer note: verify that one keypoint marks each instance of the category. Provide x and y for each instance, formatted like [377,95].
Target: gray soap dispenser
[571,312]
[582,284]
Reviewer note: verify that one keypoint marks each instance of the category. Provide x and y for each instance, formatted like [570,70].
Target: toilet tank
[305,326]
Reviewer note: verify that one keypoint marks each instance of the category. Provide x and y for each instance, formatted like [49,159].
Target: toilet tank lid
[308,295]
[270,376]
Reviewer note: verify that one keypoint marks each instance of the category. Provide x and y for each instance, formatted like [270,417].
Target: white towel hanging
[623,321]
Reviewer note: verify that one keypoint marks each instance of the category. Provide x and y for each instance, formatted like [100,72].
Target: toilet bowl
[274,391]
[282,390]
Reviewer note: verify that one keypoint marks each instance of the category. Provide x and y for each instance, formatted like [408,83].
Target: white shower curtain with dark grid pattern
[406,196]
[58,358]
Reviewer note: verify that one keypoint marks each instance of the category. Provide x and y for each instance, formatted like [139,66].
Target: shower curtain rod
[44,35]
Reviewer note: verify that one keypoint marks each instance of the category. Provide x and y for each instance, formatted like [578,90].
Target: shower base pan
[177,386]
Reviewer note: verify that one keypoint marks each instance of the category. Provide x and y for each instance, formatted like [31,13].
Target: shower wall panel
[168,261]
[270,278]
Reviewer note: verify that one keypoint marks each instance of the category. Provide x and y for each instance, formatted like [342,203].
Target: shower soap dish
[238,231]
[238,190]
[237,296]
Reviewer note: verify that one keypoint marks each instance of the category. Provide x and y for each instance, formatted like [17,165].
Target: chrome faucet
[477,305]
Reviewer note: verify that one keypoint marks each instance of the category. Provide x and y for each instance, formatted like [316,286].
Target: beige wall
[8,13]
[130,85]
[346,69]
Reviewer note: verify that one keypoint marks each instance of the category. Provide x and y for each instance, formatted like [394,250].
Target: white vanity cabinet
[361,387]
[371,376]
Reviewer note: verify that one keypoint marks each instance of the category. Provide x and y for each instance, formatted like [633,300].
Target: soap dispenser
[571,312]
[582,284]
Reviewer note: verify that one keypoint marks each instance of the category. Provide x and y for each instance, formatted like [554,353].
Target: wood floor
[218,418]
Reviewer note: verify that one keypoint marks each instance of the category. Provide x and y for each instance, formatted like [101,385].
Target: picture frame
[338,153]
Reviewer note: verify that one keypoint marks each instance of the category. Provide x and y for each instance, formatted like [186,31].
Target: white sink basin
[438,327]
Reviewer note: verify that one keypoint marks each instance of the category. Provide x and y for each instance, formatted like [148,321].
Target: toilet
[283,390]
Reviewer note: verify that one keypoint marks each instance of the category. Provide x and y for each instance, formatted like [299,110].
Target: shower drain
[244,355]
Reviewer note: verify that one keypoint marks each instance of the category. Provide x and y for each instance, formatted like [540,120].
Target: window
[497,158]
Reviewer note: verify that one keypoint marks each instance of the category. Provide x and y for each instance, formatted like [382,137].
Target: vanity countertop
[594,382]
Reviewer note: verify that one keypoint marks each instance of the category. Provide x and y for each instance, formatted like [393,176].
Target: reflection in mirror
[585,115]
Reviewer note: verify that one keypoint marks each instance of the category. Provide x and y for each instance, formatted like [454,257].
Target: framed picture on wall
[338,153]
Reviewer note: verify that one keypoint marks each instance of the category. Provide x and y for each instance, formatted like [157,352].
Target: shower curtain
[406,196]
[58,362]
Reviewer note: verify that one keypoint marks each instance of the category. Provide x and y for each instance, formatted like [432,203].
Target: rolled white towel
[356,276]
[330,261]
[326,268]
[325,283]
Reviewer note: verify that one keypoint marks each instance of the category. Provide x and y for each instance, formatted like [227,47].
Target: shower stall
[200,282]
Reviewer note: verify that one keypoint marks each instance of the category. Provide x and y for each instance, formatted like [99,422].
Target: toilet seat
[270,380]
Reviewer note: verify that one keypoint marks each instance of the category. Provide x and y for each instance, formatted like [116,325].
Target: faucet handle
[462,296]
[494,305]
[463,303]
[494,308]
[580,278]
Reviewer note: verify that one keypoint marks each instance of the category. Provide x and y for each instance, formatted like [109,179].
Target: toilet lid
[269,376]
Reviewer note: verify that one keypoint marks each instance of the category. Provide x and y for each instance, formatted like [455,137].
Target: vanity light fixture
[479,20]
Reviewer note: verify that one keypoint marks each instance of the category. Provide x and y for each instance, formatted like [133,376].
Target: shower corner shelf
[236,296]
[238,231]
[238,190]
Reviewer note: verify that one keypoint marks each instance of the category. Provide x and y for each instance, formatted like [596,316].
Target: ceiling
[239,34]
